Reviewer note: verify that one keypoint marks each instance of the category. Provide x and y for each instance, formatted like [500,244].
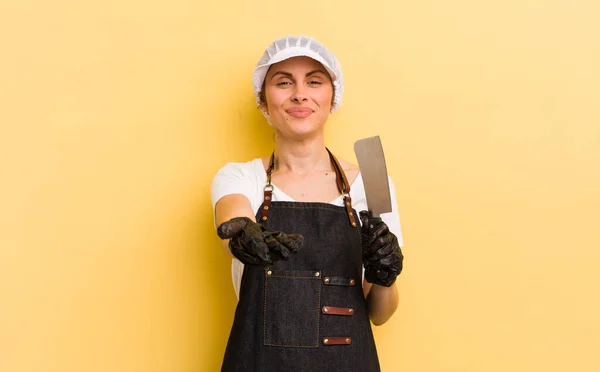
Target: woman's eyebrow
[289,75]
[316,71]
[286,74]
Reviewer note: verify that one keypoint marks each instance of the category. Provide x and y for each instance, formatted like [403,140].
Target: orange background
[115,115]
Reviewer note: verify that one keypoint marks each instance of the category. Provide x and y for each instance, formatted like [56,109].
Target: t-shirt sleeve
[233,178]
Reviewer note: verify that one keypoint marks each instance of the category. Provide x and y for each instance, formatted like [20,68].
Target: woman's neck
[301,157]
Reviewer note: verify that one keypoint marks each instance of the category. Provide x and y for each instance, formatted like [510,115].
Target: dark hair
[262,97]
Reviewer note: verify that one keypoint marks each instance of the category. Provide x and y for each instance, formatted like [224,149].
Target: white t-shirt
[249,179]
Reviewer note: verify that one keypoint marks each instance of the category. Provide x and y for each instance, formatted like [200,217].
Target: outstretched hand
[252,244]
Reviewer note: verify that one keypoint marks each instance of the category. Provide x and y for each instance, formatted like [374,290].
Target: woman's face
[298,94]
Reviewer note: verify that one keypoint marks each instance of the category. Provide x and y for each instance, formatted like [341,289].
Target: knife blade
[371,161]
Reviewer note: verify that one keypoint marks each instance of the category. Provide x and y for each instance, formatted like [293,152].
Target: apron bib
[308,312]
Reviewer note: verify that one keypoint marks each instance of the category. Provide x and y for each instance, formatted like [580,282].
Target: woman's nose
[299,95]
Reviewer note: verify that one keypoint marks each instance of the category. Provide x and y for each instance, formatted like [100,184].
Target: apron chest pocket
[292,308]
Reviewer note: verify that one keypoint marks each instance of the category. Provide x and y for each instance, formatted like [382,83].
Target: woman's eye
[315,82]
[283,83]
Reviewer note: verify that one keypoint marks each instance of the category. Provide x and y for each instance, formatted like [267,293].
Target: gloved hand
[381,253]
[252,244]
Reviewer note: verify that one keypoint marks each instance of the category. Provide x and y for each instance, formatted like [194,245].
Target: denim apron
[307,313]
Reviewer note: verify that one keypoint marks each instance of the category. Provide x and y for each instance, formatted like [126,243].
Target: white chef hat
[292,46]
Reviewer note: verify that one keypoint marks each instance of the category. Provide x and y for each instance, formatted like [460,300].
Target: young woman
[289,219]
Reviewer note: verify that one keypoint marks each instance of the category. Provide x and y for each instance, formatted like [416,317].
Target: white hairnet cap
[292,46]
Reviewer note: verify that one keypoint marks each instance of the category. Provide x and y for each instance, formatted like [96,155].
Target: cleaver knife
[371,161]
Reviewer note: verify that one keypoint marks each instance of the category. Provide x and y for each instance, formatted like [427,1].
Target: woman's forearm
[382,303]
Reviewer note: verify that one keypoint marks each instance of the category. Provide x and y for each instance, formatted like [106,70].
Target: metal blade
[371,162]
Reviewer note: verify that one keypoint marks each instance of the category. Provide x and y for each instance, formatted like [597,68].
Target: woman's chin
[300,126]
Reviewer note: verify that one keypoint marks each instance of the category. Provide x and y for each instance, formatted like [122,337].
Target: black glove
[381,253]
[252,244]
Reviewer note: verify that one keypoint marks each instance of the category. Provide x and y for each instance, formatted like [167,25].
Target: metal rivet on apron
[347,340]
[326,280]
[352,214]
[264,218]
[267,198]
[370,226]
[326,341]
[347,203]
[325,309]
[269,272]
[266,207]
[350,311]
[353,224]
[352,281]
[317,273]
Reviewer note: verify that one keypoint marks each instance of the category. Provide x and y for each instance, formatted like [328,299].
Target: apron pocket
[292,308]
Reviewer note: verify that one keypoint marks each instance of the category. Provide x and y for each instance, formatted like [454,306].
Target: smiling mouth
[299,112]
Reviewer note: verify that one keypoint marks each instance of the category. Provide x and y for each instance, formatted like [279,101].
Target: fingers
[380,275]
[375,236]
[364,218]
[252,239]
[385,264]
[372,225]
[233,227]
[292,241]
[284,244]
[380,229]
[257,247]
[383,247]
[252,244]
[275,246]
[246,258]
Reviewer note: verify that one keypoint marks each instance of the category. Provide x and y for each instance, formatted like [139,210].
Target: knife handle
[370,220]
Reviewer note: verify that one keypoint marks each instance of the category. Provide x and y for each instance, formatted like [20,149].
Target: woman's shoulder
[238,178]
[350,169]
[347,165]
[252,167]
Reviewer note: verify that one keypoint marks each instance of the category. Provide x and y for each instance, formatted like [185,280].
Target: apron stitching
[294,277]
[333,208]
[319,313]
[298,347]
[265,314]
